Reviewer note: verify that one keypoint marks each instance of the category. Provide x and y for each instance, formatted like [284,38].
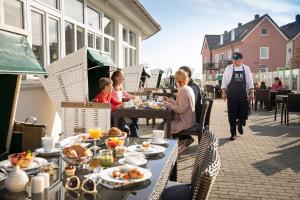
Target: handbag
[31,133]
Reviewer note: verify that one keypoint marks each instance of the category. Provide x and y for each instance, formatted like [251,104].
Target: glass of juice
[106,158]
[95,134]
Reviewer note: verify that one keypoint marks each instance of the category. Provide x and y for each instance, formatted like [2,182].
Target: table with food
[94,165]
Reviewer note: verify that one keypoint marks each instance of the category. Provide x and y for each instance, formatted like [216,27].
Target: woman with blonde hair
[184,108]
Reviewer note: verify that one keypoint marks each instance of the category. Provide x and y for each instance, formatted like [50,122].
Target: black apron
[237,97]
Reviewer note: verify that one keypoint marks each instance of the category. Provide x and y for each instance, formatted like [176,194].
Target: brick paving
[264,163]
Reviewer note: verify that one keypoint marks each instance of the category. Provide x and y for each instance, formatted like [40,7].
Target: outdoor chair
[210,91]
[262,96]
[79,116]
[292,105]
[199,127]
[206,168]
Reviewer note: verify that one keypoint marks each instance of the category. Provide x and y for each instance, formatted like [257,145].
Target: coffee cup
[133,157]
[48,144]
[158,135]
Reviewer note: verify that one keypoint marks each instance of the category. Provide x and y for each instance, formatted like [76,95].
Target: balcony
[210,66]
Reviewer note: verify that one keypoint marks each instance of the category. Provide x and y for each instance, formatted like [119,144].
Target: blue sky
[185,22]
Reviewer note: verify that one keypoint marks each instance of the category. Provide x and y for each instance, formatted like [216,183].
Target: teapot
[16,180]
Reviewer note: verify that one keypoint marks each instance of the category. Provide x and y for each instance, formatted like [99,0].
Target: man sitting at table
[184,107]
[104,96]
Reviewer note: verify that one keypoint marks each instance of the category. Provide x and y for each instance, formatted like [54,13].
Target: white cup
[133,157]
[158,135]
[48,144]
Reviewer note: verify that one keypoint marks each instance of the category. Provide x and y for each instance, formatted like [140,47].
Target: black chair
[207,118]
[210,91]
[262,95]
[199,127]
[292,105]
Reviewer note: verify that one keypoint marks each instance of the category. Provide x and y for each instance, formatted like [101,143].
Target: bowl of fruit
[112,142]
[23,159]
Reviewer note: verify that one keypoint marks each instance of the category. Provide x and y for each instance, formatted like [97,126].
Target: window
[132,39]
[264,52]
[112,50]
[132,57]
[229,55]
[125,35]
[37,36]
[125,57]
[93,18]
[53,40]
[74,9]
[216,58]
[290,50]
[106,44]
[108,26]
[222,56]
[98,42]
[13,13]
[80,37]
[53,3]
[264,32]
[69,38]
[90,40]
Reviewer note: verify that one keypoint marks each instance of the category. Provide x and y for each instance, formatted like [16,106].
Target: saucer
[42,152]
[143,161]
[160,142]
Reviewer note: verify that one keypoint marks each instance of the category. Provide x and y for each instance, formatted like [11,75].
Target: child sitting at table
[184,108]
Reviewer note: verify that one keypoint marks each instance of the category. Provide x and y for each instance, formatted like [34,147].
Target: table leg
[168,134]
[275,110]
[173,176]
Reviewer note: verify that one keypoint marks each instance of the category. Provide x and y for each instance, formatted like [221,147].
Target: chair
[292,105]
[210,91]
[207,118]
[206,168]
[199,127]
[262,95]
[78,116]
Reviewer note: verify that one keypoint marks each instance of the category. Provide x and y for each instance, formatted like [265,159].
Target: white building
[56,28]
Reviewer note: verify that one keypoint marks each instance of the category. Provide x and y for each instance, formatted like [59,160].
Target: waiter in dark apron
[237,88]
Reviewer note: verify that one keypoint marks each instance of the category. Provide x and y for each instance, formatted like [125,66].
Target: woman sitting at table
[104,96]
[277,85]
[119,94]
[184,108]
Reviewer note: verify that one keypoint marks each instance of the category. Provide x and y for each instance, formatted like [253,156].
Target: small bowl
[23,159]
[77,161]
[114,141]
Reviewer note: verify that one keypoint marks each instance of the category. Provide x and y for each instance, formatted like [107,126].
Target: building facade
[56,28]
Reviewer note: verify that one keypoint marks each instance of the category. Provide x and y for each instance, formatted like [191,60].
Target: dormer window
[264,32]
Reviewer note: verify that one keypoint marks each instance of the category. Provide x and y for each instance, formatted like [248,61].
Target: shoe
[240,129]
[233,137]
[188,141]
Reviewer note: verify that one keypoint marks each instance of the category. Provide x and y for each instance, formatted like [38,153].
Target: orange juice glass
[95,133]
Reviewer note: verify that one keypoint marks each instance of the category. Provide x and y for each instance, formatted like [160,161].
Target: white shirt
[228,74]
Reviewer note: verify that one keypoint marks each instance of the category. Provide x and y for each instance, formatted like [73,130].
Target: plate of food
[115,132]
[147,148]
[125,174]
[26,160]
[76,154]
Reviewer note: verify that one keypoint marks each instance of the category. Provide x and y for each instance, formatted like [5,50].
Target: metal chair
[210,91]
[292,105]
[199,127]
[262,95]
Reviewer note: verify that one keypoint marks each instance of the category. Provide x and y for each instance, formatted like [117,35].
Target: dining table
[132,112]
[163,167]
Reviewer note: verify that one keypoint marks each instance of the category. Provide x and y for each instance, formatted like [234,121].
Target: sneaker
[240,129]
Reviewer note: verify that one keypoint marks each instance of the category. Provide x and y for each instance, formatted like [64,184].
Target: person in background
[237,79]
[256,86]
[105,96]
[277,85]
[184,107]
[119,94]
[263,85]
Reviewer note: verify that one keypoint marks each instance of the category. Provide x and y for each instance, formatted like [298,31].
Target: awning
[16,55]
[100,59]
[219,77]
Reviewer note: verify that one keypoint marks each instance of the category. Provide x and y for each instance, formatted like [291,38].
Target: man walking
[237,88]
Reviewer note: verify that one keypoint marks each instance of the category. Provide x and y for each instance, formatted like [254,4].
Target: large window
[80,37]
[264,53]
[91,40]
[98,42]
[229,55]
[53,3]
[74,9]
[108,26]
[132,39]
[93,18]
[37,36]
[125,35]
[53,40]
[13,13]
[129,40]
[69,38]
[109,47]
[264,32]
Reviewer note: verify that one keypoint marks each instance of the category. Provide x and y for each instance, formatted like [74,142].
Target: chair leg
[275,111]
[255,107]
[285,107]
[281,113]
[147,121]
[153,122]
[287,118]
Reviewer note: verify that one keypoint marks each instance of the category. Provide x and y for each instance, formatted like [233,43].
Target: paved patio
[264,163]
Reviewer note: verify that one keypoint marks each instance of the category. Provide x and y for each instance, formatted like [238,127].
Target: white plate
[153,149]
[161,142]
[141,162]
[107,175]
[42,152]
[37,162]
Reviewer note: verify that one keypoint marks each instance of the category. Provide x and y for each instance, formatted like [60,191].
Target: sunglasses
[88,185]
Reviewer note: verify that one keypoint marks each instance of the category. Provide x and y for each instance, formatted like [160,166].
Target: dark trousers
[133,125]
[237,111]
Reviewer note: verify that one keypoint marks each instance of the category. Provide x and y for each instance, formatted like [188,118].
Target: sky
[185,22]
